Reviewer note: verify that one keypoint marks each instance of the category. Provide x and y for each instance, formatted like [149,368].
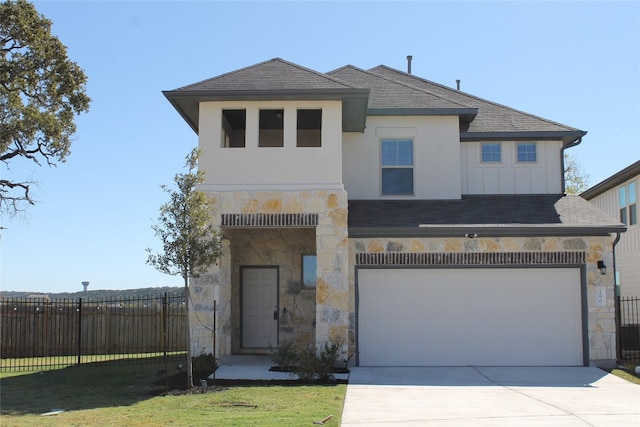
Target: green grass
[627,374]
[117,395]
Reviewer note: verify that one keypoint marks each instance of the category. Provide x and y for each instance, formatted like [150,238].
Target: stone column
[332,291]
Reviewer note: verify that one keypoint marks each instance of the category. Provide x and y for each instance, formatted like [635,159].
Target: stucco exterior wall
[601,331]
[253,168]
[509,176]
[436,156]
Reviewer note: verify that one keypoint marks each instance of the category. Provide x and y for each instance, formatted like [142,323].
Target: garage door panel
[427,317]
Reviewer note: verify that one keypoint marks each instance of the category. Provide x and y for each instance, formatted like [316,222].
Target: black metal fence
[629,328]
[40,333]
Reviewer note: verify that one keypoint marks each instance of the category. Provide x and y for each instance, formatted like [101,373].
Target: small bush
[286,355]
[306,363]
[203,365]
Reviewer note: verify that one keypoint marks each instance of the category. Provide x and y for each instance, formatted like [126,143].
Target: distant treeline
[115,294]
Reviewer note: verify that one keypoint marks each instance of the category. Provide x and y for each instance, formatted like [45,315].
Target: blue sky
[577,63]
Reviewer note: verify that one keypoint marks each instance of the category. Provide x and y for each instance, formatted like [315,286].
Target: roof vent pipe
[458,83]
[409,58]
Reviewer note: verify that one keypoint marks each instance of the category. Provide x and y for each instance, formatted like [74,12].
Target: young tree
[41,91]
[575,180]
[190,243]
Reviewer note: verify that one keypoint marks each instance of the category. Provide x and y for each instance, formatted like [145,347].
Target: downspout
[573,144]
[616,298]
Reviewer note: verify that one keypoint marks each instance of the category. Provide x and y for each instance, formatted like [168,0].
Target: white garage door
[460,317]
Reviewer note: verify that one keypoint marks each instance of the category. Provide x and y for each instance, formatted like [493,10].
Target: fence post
[618,318]
[79,331]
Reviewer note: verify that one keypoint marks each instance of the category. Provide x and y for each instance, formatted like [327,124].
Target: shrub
[286,355]
[203,365]
[306,363]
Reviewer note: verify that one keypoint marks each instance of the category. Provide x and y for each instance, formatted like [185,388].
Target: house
[417,224]
[618,196]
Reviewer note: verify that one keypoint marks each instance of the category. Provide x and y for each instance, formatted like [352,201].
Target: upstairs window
[491,153]
[397,167]
[628,205]
[309,128]
[271,128]
[527,152]
[234,126]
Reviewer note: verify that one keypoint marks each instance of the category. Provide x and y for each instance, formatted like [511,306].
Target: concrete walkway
[470,396]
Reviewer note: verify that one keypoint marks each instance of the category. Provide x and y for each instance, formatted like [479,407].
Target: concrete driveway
[477,396]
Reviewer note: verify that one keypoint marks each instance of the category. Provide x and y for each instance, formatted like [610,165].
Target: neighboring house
[418,224]
[618,196]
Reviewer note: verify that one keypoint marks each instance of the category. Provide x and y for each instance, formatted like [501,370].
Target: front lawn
[116,395]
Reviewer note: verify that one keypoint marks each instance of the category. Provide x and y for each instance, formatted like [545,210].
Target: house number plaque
[601,296]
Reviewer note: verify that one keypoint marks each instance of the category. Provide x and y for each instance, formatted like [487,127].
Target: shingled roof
[275,79]
[493,120]
[379,91]
[481,215]
[389,97]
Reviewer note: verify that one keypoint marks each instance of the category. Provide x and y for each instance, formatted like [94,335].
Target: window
[309,270]
[491,153]
[234,126]
[309,128]
[397,167]
[527,152]
[271,128]
[628,205]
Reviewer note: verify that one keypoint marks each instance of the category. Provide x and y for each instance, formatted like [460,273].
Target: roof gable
[275,79]
[273,75]
[390,97]
[492,119]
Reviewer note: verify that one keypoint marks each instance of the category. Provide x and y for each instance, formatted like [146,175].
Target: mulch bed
[176,385]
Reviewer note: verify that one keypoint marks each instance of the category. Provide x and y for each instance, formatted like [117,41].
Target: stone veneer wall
[283,248]
[332,249]
[522,250]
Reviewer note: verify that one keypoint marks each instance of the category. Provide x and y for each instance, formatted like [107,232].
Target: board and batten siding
[628,248]
[509,176]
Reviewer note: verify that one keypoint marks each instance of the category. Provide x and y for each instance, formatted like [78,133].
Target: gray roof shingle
[495,215]
[389,94]
[492,117]
[274,74]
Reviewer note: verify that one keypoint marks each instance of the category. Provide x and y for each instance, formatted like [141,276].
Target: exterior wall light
[602,267]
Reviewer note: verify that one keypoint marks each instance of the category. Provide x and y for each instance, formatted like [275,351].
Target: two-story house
[418,224]
[618,196]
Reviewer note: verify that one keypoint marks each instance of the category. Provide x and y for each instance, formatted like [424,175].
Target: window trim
[491,144]
[628,204]
[528,144]
[411,167]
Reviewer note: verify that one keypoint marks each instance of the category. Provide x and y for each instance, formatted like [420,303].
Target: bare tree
[575,180]
[190,243]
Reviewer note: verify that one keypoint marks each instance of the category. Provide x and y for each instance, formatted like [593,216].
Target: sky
[574,62]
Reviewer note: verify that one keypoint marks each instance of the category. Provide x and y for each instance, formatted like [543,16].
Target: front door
[259,307]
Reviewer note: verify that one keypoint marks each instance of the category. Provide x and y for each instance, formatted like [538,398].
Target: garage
[469,316]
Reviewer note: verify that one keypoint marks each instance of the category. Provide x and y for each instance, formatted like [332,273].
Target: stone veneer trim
[270,220]
[470,258]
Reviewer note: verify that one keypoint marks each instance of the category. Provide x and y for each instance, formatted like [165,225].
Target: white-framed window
[526,152]
[491,152]
[397,167]
[628,204]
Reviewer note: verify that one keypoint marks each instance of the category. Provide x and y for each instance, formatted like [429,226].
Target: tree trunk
[189,355]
